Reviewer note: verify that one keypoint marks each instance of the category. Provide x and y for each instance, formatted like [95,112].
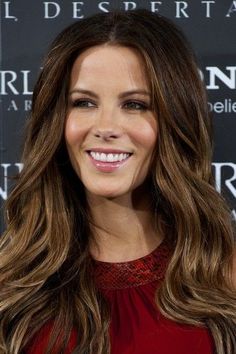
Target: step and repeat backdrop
[28,27]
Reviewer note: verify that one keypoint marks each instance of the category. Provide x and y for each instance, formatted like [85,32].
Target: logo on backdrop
[224,79]
[224,173]
[51,10]
[15,87]
[225,180]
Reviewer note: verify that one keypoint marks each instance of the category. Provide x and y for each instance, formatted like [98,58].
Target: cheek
[71,131]
[73,137]
[146,135]
[74,132]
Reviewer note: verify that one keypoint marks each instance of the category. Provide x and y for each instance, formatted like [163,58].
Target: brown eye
[134,105]
[82,103]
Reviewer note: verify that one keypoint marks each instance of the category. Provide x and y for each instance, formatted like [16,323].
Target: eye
[135,105]
[82,103]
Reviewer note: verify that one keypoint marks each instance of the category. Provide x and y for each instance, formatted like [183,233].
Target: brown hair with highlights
[45,262]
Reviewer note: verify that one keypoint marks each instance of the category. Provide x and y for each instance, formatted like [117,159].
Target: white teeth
[108,157]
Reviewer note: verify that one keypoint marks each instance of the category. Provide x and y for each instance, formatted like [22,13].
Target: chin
[109,193]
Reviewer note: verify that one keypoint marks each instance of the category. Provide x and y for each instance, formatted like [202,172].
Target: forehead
[110,63]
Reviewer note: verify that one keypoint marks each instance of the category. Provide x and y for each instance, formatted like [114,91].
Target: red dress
[137,326]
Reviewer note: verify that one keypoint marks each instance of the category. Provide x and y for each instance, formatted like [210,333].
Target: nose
[107,125]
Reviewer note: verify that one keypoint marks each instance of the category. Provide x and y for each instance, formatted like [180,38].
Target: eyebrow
[121,95]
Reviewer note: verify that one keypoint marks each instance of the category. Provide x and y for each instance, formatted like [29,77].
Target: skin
[119,198]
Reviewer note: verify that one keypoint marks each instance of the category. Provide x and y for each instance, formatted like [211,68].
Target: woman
[117,241]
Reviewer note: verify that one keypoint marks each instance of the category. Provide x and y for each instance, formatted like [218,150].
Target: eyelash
[142,106]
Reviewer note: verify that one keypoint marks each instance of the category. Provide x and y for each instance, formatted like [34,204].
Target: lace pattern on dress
[132,273]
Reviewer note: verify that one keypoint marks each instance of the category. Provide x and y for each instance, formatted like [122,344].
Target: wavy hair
[45,261]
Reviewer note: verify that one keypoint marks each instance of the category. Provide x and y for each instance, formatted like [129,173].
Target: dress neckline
[118,275]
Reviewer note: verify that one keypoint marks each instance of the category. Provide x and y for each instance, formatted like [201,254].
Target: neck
[123,228]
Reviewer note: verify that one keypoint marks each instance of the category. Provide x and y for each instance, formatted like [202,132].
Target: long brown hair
[45,261]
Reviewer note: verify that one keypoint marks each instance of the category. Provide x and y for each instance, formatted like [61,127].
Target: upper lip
[107,151]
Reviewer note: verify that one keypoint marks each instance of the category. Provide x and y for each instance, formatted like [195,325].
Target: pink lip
[107,166]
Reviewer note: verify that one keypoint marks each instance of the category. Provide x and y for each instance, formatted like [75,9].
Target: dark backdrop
[28,26]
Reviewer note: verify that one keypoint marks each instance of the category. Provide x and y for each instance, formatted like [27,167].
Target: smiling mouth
[109,157]
[108,162]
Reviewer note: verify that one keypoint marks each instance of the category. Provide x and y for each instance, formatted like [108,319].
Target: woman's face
[110,128]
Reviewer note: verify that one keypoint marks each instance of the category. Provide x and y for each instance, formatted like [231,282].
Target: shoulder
[38,344]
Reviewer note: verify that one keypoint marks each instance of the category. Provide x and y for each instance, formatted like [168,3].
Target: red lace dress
[137,326]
